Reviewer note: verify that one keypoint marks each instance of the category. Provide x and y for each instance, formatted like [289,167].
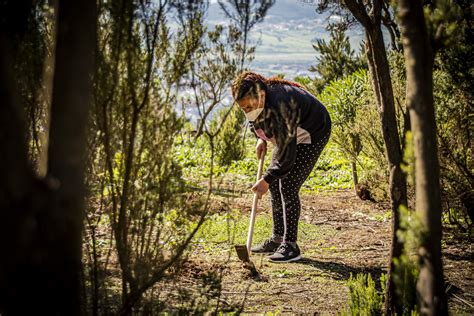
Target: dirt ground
[354,238]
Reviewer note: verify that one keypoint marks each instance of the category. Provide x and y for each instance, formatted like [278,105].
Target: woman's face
[250,103]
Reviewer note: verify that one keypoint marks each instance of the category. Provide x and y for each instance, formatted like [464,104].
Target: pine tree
[336,58]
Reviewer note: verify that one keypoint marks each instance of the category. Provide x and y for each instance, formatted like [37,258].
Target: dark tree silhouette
[41,219]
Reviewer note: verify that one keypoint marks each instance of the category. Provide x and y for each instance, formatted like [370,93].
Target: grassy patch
[221,231]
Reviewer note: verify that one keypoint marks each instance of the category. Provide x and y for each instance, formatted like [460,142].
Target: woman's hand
[260,187]
[261,147]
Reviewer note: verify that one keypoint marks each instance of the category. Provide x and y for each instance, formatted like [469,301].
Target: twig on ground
[459,299]
[373,230]
[289,293]
[321,222]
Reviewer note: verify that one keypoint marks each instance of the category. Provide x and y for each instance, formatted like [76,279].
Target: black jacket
[291,116]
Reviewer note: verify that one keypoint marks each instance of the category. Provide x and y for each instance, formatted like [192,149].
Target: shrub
[364,298]
[356,127]
[405,274]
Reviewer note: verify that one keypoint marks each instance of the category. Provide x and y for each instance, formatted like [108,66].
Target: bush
[364,298]
[229,143]
[356,127]
[406,271]
[454,122]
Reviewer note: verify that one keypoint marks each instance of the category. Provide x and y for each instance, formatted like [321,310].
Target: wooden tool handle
[255,201]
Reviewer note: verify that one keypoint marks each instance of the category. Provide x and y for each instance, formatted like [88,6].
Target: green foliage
[406,271]
[336,58]
[451,92]
[454,121]
[332,171]
[408,164]
[344,96]
[305,81]
[453,87]
[364,298]
[384,217]
[457,216]
[455,57]
[231,228]
[229,143]
[356,122]
[442,19]
[136,186]
[195,158]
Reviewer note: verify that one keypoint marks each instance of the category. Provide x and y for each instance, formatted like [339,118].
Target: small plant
[384,217]
[364,298]
[229,144]
[406,268]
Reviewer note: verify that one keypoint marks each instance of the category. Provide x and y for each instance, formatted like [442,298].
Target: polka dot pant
[285,198]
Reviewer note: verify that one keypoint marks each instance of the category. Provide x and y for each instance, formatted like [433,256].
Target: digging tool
[243,251]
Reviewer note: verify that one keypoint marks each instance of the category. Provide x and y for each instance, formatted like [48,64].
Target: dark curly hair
[249,83]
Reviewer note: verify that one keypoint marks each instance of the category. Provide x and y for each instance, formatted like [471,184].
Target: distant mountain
[281,11]
[284,39]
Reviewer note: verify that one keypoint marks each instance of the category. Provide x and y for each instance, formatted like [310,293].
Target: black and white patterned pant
[285,198]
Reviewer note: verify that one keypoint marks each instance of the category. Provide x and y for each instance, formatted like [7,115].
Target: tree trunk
[419,65]
[72,99]
[48,73]
[382,84]
[41,221]
[355,179]
[356,147]
[18,225]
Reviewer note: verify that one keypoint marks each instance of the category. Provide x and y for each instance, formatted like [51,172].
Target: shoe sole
[289,260]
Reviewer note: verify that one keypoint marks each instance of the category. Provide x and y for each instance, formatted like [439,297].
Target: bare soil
[355,238]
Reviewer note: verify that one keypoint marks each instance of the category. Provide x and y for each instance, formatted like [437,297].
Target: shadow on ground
[341,271]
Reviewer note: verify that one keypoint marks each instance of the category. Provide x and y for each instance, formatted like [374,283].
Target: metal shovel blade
[242,253]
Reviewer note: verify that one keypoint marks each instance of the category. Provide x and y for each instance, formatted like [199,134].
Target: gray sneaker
[286,253]
[267,247]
